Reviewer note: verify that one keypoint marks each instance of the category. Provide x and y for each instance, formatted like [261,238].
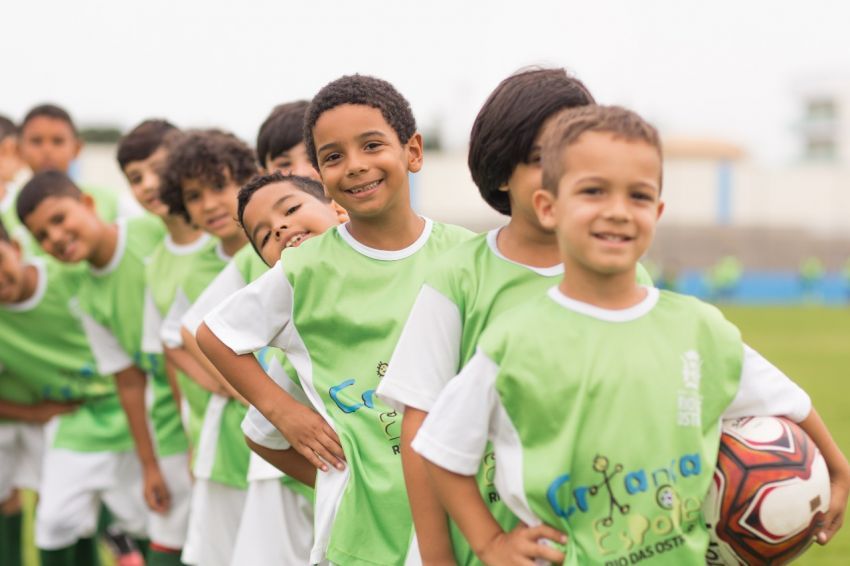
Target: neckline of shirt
[119,251]
[40,289]
[9,198]
[493,244]
[186,249]
[387,255]
[222,255]
[609,315]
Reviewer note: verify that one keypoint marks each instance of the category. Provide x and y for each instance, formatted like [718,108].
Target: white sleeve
[427,354]
[255,316]
[225,284]
[766,391]
[151,326]
[455,433]
[169,333]
[108,353]
[257,427]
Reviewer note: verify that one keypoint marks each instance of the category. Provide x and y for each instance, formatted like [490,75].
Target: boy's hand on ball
[523,546]
[312,437]
[834,518]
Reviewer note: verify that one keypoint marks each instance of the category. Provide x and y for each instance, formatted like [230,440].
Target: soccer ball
[769,493]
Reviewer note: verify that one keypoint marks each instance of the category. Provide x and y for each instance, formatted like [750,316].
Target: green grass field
[812,345]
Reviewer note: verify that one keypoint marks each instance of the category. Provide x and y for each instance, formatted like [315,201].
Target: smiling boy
[361,136]
[564,379]
[63,220]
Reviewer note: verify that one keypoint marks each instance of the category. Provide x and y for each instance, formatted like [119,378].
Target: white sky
[723,68]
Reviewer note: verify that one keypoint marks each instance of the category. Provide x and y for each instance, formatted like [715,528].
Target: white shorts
[214,518]
[21,451]
[169,530]
[72,488]
[276,527]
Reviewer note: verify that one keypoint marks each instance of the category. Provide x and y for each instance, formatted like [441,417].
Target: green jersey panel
[47,356]
[574,386]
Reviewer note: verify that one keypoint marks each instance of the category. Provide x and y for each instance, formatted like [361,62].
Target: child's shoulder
[689,306]
[144,232]
[449,235]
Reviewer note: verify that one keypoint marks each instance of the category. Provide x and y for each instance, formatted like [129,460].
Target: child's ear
[78,147]
[414,153]
[660,210]
[341,213]
[544,207]
[88,201]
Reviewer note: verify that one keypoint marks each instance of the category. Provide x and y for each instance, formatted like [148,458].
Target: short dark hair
[142,141]
[43,186]
[571,124]
[310,186]
[282,130]
[4,234]
[7,128]
[366,91]
[504,130]
[209,156]
[50,111]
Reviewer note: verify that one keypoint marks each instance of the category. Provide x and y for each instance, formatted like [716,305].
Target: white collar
[40,289]
[117,255]
[186,249]
[620,315]
[387,255]
[492,242]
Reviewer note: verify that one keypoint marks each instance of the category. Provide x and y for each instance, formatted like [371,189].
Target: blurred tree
[100,134]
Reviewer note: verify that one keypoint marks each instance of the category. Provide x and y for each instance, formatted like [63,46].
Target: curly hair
[366,91]
[504,130]
[50,111]
[281,131]
[213,157]
[142,141]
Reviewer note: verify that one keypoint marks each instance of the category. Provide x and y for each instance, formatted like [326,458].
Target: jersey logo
[689,400]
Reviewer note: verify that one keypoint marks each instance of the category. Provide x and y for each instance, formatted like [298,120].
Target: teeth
[612,237]
[364,188]
[294,240]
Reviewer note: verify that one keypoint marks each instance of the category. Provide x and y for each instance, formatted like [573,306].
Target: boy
[49,140]
[335,305]
[47,362]
[141,156]
[476,281]
[280,141]
[203,174]
[565,378]
[64,222]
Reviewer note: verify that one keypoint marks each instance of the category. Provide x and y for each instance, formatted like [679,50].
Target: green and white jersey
[46,355]
[470,286]
[246,267]
[112,299]
[166,269]
[222,454]
[336,308]
[606,424]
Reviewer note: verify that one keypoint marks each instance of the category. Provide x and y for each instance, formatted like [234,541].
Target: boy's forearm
[190,344]
[290,462]
[836,462]
[429,517]
[16,411]
[188,364]
[246,376]
[131,384]
[171,375]
[459,495]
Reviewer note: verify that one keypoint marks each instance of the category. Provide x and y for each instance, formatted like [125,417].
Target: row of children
[575,369]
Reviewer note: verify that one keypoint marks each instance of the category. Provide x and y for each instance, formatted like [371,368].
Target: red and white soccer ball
[770,490]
